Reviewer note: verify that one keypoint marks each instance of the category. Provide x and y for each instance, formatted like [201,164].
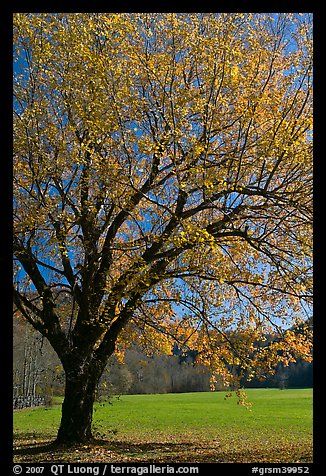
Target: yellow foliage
[162,175]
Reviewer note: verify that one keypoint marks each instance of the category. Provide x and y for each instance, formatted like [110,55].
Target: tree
[162,182]
[36,368]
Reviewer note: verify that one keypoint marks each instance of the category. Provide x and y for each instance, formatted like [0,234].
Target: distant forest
[38,371]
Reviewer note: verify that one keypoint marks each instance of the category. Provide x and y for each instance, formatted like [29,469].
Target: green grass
[183,427]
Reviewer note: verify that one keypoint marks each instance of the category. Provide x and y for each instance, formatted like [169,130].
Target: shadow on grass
[97,448]
[101,450]
[35,448]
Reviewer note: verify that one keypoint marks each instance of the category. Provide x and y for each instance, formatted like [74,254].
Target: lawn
[191,427]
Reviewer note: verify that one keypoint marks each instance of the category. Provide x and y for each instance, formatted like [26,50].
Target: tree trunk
[77,407]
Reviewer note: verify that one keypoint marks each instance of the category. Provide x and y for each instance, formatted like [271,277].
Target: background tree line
[38,371]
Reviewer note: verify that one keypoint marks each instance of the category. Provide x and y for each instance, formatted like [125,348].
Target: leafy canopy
[162,182]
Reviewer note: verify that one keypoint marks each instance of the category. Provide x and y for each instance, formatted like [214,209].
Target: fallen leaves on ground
[177,451]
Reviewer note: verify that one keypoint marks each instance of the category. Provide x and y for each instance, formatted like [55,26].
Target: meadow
[188,427]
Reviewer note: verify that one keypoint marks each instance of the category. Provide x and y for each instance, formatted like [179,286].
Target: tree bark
[77,407]
[83,369]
